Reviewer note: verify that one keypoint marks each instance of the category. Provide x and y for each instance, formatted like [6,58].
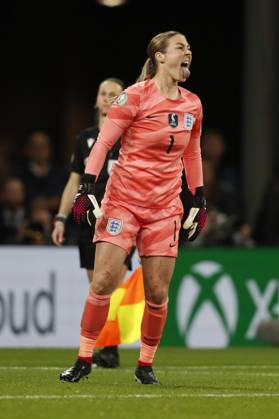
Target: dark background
[52,64]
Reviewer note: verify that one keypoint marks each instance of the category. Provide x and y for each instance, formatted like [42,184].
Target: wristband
[61,218]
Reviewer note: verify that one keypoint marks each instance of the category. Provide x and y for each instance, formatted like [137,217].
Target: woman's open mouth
[185,69]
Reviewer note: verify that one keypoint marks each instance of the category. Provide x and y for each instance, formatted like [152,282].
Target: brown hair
[114,80]
[157,44]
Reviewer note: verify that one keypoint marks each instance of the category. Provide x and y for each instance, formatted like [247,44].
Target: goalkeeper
[159,123]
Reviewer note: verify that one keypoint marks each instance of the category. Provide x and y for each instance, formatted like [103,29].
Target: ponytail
[148,70]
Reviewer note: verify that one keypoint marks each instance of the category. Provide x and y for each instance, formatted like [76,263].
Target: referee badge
[114,226]
[188,121]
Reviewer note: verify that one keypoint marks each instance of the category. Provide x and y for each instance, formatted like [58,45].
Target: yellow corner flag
[125,313]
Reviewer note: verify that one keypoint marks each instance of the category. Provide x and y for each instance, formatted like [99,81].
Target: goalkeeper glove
[197,217]
[85,202]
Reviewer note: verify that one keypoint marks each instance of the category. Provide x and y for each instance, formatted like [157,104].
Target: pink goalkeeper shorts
[154,231]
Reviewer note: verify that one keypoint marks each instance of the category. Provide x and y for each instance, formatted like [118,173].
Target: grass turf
[232,383]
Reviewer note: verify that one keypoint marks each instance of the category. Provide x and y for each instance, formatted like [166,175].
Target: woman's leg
[108,265]
[89,275]
[108,356]
[157,274]
[114,232]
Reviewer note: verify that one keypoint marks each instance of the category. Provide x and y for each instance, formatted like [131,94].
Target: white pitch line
[202,370]
[139,396]
[19,368]
[235,372]
[182,369]
[224,367]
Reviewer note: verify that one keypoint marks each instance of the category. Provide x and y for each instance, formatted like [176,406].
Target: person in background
[225,226]
[12,212]
[38,228]
[214,150]
[108,357]
[43,181]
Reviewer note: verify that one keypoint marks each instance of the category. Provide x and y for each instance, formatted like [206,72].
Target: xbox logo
[207,306]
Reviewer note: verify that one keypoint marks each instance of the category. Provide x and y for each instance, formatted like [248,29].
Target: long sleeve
[107,137]
[118,120]
[192,156]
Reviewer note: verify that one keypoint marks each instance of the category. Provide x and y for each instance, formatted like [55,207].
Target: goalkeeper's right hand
[85,202]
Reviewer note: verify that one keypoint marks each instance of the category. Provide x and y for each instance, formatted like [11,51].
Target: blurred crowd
[30,193]
[31,188]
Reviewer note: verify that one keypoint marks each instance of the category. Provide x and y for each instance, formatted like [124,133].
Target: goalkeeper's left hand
[197,217]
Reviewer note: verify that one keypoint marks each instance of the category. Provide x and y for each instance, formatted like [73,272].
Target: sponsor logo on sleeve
[122,99]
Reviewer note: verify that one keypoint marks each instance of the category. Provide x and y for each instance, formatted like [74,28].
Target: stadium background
[52,58]
[52,64]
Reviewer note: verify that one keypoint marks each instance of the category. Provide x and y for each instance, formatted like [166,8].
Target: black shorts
[87,256]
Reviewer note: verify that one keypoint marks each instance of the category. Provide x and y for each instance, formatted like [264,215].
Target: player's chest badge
[173,120]
[188,121]
[90,142]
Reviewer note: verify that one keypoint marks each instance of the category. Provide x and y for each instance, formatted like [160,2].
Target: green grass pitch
[237,383]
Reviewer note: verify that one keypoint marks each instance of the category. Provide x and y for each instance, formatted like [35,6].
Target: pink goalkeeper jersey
[158,135]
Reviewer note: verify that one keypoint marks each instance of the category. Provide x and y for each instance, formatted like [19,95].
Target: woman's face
[177,58]
[108,90]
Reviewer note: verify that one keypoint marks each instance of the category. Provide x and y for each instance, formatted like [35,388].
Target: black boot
[80,370]
[107,357]
[145,375]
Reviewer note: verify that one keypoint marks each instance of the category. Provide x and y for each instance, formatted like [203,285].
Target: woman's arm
[192,157]
[65,207]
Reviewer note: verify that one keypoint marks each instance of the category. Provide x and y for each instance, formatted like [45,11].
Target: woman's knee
[157,294]
[103,282]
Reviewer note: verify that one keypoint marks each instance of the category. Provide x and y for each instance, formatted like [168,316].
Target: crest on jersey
[173,120]
[90,142]
[122,99]
[188,121]
[114,226]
